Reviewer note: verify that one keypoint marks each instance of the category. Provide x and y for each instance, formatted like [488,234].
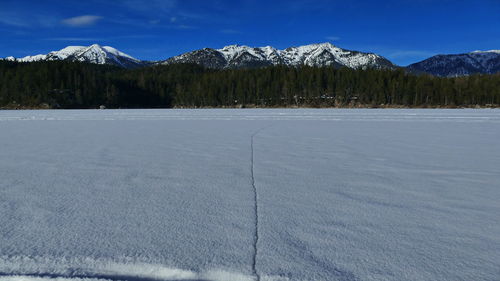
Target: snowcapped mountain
[92,54]
[236,56]
[485,62]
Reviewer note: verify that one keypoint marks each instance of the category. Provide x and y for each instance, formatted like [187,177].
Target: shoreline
[495,106]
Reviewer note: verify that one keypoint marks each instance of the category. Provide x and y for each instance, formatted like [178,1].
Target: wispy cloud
[74,39]
[80,21]
[24,19]
[102,39]
[172,14]
[309,5]
[184,26]
[332,38]
[13,22]
[148,7]
[230,31]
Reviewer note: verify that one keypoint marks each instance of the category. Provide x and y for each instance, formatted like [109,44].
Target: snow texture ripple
[143,195]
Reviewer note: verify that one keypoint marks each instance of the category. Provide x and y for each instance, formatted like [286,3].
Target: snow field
[167,195]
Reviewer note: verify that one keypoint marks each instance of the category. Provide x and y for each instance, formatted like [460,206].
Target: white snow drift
[167,195]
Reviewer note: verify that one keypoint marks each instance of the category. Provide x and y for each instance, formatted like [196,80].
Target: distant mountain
[236,56]
[92,54]
[325,54]
[485,62]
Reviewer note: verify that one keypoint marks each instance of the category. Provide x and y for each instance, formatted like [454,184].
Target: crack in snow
[256,209]
[256,205]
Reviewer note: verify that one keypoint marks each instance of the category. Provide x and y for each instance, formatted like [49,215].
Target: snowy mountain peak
[95,54]
[321,45]
[70,49]
[116,52]
[490,51]
[241,56]
[235,46]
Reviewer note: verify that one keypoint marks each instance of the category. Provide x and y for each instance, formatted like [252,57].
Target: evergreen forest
[64,84]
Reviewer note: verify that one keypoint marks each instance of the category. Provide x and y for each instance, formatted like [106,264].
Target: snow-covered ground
[181,195]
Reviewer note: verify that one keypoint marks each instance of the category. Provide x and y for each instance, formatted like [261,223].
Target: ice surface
[167,195]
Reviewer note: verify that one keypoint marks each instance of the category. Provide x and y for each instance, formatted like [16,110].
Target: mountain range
[325,54]
[485,62]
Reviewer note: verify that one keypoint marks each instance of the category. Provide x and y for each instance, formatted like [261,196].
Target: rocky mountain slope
[485,62]
[325,54]
[92,54]
[236,56]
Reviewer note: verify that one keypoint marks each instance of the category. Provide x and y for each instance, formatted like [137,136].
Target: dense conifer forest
[62,84]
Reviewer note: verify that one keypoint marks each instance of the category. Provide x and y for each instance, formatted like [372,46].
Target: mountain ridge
[95,54]
[320,54]
[454,65]
[241,56]
[231,56]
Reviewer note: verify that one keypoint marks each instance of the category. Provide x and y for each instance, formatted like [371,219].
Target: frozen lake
[230,195]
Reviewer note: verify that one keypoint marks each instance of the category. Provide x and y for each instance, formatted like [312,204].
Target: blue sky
[405,31]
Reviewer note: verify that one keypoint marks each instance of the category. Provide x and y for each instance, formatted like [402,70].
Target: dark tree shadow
[112,277]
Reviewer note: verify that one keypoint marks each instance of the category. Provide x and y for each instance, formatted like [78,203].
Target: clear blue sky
[404,31]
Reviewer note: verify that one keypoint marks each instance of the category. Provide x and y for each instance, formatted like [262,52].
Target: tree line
[62,84]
